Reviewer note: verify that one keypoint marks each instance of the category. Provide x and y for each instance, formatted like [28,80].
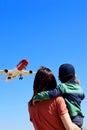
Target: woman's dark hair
[44,80]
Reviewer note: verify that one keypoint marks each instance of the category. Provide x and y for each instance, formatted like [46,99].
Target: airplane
[18,71]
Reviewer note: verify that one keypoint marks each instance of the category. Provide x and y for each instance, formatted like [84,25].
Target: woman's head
[44,80]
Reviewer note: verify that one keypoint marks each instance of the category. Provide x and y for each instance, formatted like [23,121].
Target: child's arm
[47,94]
[41,96]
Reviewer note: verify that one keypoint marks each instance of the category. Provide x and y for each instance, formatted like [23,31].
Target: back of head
[66,72]
[44,80]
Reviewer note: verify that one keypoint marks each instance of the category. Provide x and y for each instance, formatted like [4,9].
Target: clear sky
[48,33]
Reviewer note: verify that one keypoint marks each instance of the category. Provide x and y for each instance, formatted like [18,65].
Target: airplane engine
[6,70]
[30,71]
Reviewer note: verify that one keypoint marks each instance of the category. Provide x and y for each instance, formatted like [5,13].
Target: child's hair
[66,72]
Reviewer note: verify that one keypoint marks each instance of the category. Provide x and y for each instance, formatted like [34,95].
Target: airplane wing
[3,72]
[26,72]
[16,72]
[6,72]
[11,74]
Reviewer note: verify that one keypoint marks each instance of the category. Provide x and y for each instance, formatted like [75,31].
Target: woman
[50,114]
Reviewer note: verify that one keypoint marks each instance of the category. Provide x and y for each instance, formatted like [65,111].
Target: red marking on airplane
[22,64]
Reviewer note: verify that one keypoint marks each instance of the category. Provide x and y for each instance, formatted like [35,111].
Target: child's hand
[78,82]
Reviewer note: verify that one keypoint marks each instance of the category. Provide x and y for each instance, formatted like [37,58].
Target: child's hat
[66,72]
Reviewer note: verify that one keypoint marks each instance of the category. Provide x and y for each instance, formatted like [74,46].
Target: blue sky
[48,33]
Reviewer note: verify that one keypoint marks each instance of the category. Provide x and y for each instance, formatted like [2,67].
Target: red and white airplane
[18,71]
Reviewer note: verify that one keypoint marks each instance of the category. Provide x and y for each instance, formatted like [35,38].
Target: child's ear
[77,81]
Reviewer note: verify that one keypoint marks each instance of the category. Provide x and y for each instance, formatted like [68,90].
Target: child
[70,90]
